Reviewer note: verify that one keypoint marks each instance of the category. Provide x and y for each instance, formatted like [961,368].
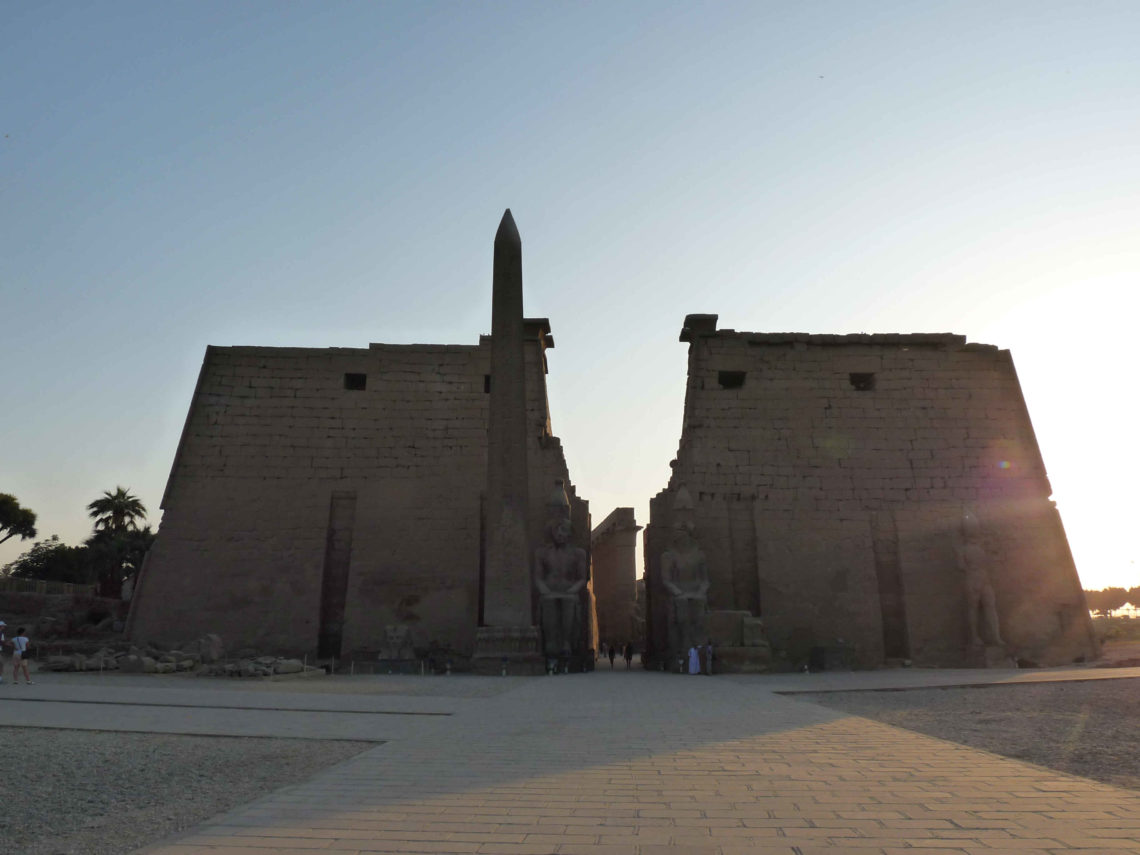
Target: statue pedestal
[514,647]
[741,660]
[739,643]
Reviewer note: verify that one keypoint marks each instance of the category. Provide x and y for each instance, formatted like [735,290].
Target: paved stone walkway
[368,708]
[635,763]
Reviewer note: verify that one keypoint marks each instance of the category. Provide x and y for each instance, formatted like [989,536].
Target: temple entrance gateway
[396,500]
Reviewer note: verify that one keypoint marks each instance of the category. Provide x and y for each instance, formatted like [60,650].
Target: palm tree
[14,520]
[118,511]
[115,555]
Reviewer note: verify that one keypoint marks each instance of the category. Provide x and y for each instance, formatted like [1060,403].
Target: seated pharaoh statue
[685,575]
[980,600]
[561,572]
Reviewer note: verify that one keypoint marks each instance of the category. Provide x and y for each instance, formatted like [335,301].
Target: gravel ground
[67,792]
[1091,729]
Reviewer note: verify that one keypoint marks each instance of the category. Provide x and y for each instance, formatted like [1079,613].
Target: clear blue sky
[174,175]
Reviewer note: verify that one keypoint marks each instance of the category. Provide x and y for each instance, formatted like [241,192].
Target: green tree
[1106,600]
[113,556]
[118,511]
[14,520]
[112,553]
[53,561]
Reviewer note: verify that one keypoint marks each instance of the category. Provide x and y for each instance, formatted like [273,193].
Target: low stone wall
[60,616]
[43,586]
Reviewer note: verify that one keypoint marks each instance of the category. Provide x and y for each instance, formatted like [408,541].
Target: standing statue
[685,575]
[561,572]
[398,642]
[974,564]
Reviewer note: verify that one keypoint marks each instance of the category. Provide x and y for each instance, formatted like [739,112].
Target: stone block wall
[334,488]
[614,546]
[830,475]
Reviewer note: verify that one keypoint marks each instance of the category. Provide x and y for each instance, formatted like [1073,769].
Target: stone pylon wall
[289,482]
[830,474]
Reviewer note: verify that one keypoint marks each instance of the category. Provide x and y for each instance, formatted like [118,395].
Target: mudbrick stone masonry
[871,498]
[319,497]
[614,544]
[853,500]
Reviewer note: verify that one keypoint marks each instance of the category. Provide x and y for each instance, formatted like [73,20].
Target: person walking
[694,660]
[19,649]
[3,645]
[612,653]
[627,654]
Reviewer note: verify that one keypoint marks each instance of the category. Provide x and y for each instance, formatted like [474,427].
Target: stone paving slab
[391,685]
[207,707]
[206,721]
[639,763]
[252,694]
[925,678]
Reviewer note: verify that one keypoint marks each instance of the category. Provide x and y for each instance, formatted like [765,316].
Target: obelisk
[508,637]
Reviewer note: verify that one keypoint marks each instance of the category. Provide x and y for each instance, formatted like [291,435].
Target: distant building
[614,546]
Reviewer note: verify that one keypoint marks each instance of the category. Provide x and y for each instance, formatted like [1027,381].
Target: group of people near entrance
[18,647]
[609,651]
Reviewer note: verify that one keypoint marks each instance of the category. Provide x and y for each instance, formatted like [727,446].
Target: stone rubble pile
[103,660]
[205,656]
[262,666]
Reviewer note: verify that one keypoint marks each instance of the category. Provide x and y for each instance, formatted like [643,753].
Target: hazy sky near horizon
[174,175]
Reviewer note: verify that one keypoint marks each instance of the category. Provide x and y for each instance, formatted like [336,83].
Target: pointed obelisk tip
[508,231]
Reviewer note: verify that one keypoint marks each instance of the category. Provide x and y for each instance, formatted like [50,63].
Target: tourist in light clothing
[19,648]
